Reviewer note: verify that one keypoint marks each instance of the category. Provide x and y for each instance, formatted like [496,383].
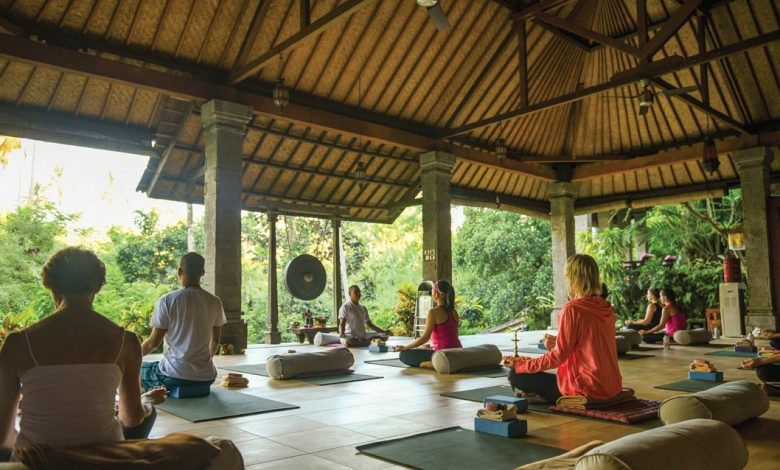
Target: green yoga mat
[495,372]
[455,447]
[221,404]
[732,354]
[259,369]
[689,385]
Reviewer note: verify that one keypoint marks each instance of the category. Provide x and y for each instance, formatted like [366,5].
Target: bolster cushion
[697,336]
[287,366]
[633,336]
[623,344]
[324,339]
[731,403]
[699,444]
[451,361]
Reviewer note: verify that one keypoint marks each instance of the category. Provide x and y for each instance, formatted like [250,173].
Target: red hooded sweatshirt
[585,352]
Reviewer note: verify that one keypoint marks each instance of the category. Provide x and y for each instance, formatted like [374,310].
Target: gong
[305,277]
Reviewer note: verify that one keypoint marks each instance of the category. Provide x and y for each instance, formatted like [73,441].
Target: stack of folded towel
[378,342]
[583,403]
[702,365]
[768,352]
[763,333]
[498,412]
[234,380]
[744,343]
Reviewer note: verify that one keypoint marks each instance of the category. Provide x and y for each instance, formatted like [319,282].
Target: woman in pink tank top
[672,319]
[441,328]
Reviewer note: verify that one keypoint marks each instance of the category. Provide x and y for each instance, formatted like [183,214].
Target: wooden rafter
[251,35]
[693,152]
[675,22]
[170,147]
[622,80]
[522,53]
[538,7]
[328,20]
[582,31]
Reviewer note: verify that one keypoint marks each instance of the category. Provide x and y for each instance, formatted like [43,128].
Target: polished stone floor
[333,419]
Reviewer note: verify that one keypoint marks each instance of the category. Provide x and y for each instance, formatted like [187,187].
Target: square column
[272,333]
[224,128]
[753,166]
[561,195]
[436,171]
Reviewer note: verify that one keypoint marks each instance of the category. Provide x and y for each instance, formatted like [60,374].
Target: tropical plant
[405,309]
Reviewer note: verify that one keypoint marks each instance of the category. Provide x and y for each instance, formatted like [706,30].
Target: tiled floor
[333,419]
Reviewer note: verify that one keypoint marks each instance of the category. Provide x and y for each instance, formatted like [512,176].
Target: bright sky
[97,184]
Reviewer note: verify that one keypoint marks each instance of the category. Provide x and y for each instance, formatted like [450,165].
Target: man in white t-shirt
[353,319]
[189,321]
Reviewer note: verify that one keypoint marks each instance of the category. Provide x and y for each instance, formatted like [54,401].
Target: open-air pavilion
[354,110]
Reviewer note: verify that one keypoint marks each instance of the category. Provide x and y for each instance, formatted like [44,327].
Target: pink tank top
[677,321]
[445,335]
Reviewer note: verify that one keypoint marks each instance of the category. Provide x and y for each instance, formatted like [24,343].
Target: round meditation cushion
[632,336]
[699,444]
[288,366]
[731,403]
[623,344]
[324,339]
[697,336]
[451,361]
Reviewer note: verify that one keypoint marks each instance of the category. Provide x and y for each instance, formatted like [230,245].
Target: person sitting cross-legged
[768,371]
[70,367]
[441,328]
[672,319]
[353,320]
[189,320]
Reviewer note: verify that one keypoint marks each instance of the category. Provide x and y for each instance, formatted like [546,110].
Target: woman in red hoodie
[584,352]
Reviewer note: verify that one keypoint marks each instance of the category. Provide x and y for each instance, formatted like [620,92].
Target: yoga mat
[455,447]
[221,404]
[259,369]
[632,356]
[479,394]
[732,354]
[689,385]
[494,372]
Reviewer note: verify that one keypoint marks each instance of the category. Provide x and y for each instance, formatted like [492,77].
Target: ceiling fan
[647,94]
[436,13]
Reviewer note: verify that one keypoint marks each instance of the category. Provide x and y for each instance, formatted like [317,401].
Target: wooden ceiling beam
[251,35]
[328,20]
[705,108]
[582,31]
[675,22]
[169,148]
[671,157]
[538,7]
[567,36]
[486,158]
[660,68]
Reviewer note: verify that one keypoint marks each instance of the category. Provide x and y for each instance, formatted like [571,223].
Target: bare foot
[155,396]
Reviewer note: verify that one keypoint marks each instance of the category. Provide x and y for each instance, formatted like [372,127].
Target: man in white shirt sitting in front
[189,320]
[353,319]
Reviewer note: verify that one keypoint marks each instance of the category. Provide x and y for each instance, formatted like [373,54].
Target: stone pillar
[272,333]
[436,170]
[753,166]
[224,127]
[337,298]
[561,196]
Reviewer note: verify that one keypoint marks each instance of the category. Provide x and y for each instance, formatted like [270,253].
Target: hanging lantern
[360,175]
[501,150]
[736,237]
[281,94]
[710,160]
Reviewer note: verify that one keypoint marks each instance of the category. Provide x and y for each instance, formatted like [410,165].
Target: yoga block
[745,349]
[190,391]
[520,403]
[708,376]
[373,348]
[541,346]
[514,428]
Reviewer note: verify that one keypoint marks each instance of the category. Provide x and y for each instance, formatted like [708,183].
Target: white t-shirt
[357,317]
[189,314]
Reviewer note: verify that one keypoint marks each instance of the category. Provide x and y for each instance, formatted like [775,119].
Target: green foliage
[504,259]
[405,309]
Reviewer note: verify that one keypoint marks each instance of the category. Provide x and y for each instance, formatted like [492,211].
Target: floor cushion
[623,344]
[731,403]
[324,339]
[633,336]
[287,366]
[697,336]
[699,444]
[451,361]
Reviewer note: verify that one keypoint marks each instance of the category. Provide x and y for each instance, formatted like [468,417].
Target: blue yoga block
[541,346]
[745,349]
[514,428]
[520,403]
[708,376]
[190,391]
[373,348]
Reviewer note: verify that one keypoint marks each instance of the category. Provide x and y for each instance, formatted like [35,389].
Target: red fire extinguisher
[731,269]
